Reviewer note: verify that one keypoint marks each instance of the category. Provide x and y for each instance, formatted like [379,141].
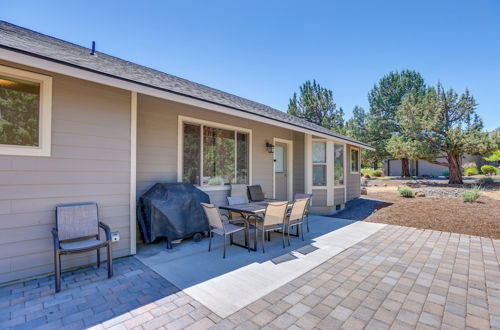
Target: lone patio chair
[216,225]
[274,219]
[77,231]
[296,217]
[302,196]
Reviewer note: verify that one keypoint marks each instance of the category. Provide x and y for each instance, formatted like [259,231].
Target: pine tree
[316,104]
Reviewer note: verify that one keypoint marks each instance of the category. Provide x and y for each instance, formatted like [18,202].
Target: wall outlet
[115,236]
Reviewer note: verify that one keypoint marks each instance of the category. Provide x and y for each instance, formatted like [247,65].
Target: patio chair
[256,194]
[77,231]
[239,190]
[274,219]
[302,196]
[216,225]
[296,217]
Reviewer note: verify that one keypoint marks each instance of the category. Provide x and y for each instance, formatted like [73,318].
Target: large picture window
[214,156]
[25,112]
[319,163]
[338,153]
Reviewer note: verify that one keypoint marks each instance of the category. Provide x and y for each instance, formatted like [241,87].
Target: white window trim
[325,163]
[45,113]
[180,141]
[350,160]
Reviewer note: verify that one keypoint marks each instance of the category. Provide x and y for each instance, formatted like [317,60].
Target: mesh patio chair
[256,194]
[77,231]
[274,219]
[239,190]
[216,225]
[302,196]
[296,217]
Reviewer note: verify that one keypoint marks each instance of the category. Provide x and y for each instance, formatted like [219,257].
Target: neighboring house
[420,167]
[85,127]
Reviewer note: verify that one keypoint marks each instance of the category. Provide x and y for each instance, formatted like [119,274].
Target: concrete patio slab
[216,282]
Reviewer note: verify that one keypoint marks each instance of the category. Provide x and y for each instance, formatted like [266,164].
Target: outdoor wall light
[269,147]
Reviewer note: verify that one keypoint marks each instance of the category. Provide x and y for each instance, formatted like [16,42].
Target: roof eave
[46,63]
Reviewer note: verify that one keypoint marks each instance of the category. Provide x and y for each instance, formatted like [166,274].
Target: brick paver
[398,278]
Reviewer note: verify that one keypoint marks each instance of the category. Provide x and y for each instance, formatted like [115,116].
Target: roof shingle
[33,43]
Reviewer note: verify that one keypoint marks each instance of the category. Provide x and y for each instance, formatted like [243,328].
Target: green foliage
[385,99]
[442,122]
[470,196]
[372,172]
[495,157]
[405,191]
[19,111]
[471,170]
[316,104]
[489,170]
[485,180]
[384,178]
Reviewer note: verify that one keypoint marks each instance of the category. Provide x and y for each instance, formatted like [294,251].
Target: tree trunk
[455,169]
[405,168]
[375,164]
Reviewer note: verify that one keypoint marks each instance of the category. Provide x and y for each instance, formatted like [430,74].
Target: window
[213,156]
[25,112]
[319,163]
[338,152]
[354,161]
[279,156]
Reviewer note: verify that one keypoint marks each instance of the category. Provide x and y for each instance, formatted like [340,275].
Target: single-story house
[78,125]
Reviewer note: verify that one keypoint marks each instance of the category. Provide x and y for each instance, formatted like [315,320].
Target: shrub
[368,171]
[446,173]
[489,170]
[367,176]
[378,173]
[407,192]
[485,180]
[470,196]
[471,170]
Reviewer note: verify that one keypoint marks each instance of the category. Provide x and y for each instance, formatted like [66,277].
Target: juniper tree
[384,99]
[442,123]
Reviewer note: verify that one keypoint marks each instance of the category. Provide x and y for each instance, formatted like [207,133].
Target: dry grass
[481,218]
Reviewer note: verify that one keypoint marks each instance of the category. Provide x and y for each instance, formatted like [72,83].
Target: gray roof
[26,41]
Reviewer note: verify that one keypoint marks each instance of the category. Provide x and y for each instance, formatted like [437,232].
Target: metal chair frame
[58,250]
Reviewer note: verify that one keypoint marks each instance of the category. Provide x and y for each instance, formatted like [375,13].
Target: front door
[280,171]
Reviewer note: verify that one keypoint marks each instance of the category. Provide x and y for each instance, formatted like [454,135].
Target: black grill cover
[171,210]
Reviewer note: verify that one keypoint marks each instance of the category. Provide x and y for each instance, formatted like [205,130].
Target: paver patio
[400,278]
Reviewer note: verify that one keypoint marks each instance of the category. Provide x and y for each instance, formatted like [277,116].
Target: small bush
[470,196]
[407,192]
[378,173]
[367,176]
[489,170]
[485,180]
[471,170]
[446,173]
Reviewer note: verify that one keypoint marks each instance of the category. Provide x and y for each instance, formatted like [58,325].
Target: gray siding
[353,181]
[338,196]
[157,142]
[298,163]
[90,161]
[319,197]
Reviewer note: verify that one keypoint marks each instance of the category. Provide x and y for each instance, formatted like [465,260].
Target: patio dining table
[254,209]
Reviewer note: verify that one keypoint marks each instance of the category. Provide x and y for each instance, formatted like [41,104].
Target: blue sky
[264,50]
